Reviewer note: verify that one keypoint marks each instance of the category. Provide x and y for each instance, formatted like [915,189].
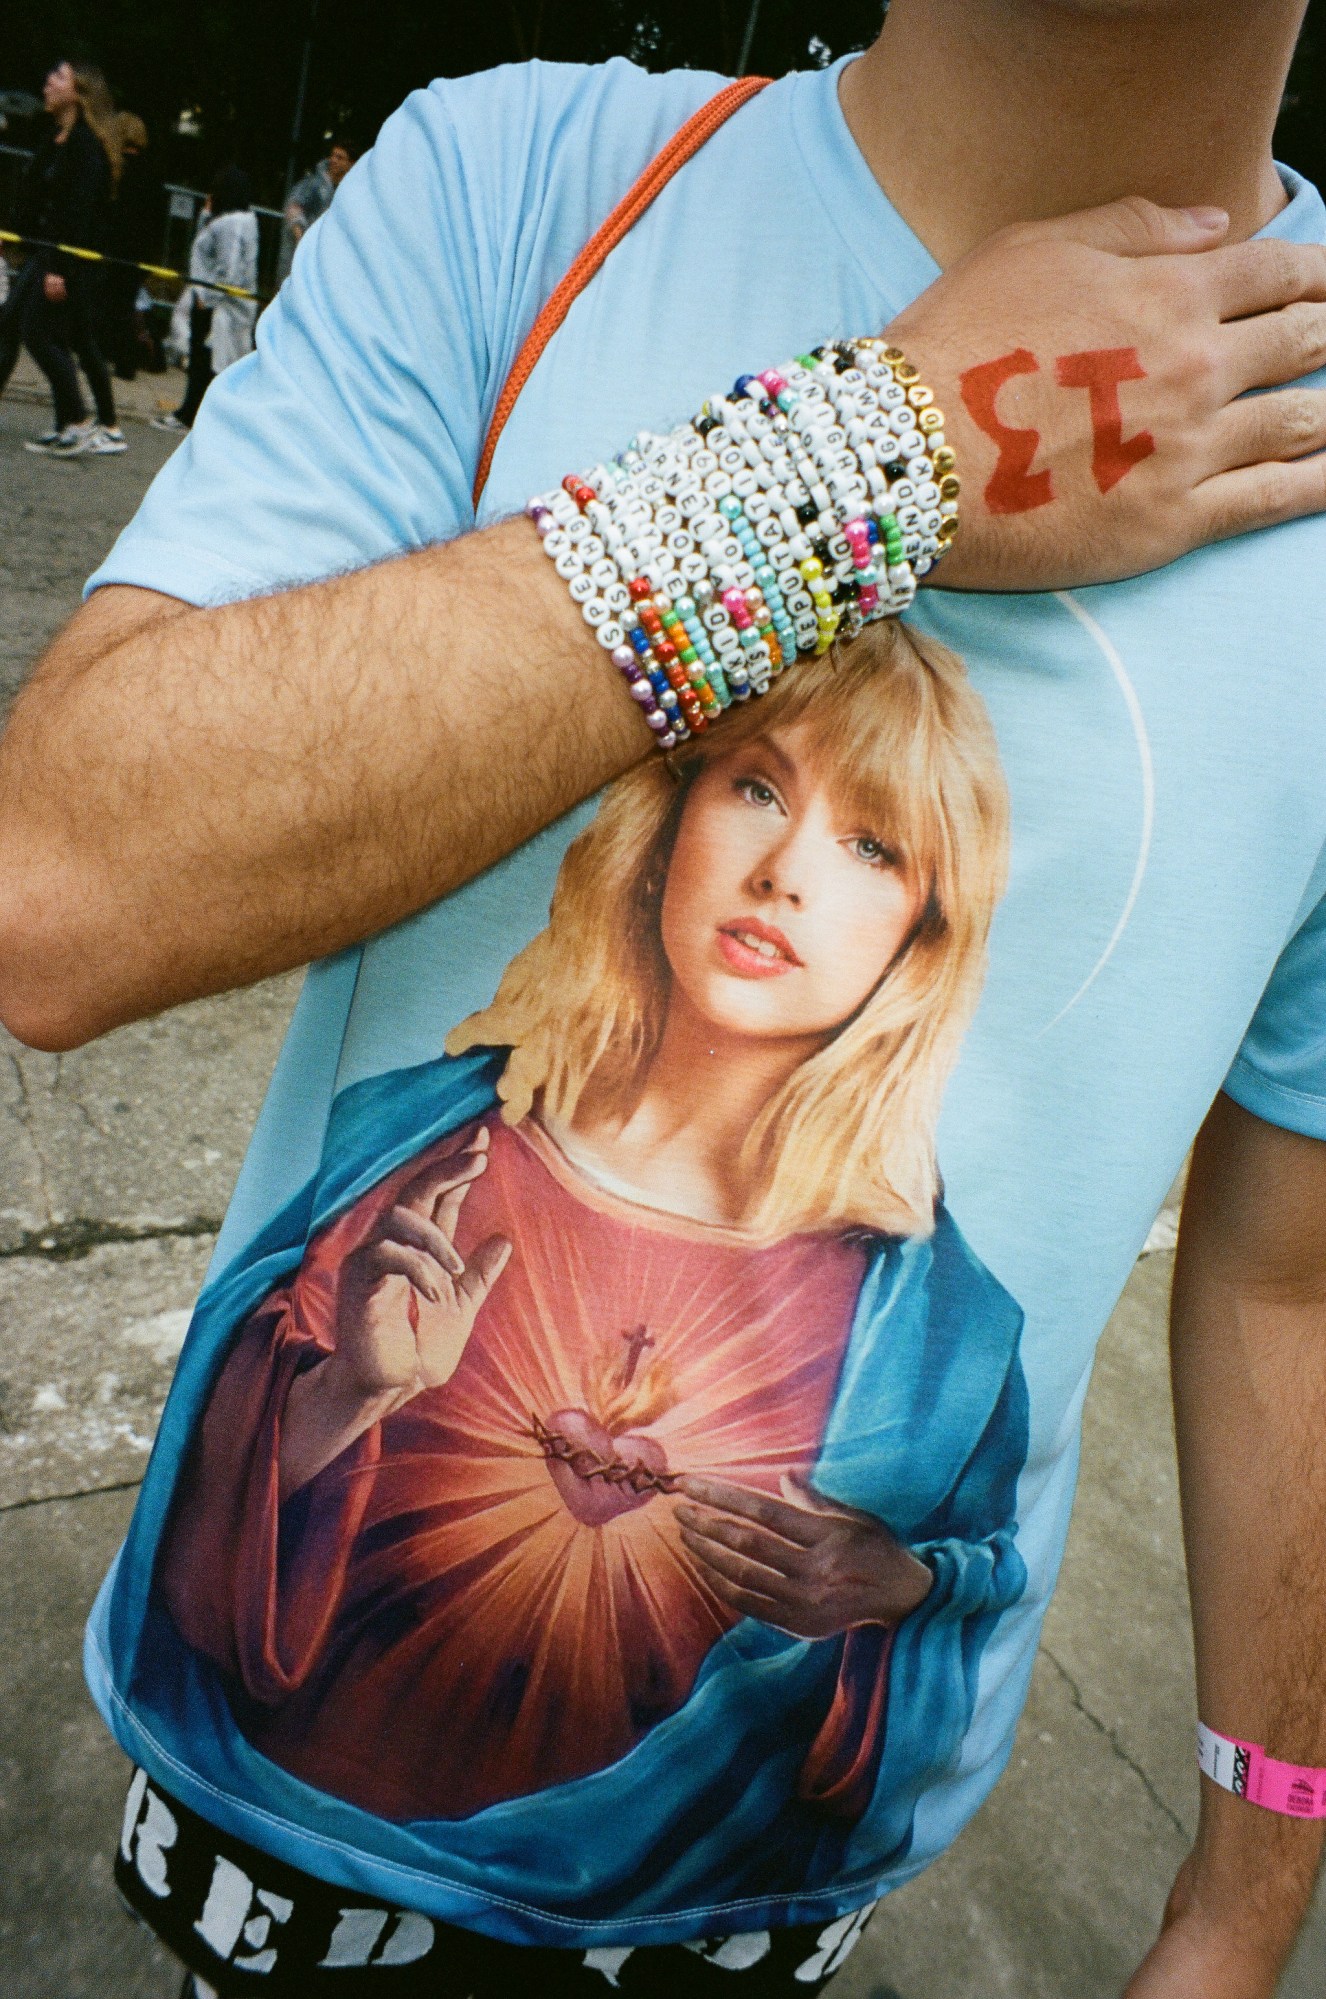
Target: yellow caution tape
[152,270]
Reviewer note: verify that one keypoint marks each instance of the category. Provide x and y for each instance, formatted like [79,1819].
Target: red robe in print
[487,1593]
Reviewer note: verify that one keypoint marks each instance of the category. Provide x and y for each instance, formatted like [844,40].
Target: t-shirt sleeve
[349,434]
[1279,1073]
[354,430]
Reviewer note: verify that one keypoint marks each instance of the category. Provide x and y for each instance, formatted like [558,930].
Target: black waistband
[247,1923]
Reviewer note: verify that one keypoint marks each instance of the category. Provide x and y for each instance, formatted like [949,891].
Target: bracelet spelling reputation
[786,515]
[1245,1769]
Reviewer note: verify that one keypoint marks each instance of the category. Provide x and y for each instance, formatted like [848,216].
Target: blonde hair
[131,131]
[849,1139]
[98,109]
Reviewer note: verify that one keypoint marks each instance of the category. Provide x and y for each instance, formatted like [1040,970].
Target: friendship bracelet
[784,516]
[1245,1769]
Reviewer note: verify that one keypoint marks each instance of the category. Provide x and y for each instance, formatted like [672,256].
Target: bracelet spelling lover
[1245,1769]
[786,515]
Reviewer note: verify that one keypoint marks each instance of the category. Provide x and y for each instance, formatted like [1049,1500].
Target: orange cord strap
[698,128]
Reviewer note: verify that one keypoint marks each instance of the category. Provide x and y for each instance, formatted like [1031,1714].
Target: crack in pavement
[62,1088]
[55,1498]
[1075,1695]
[23,1112]
[65,1241]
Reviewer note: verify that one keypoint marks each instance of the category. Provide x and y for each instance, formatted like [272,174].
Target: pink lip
[750,964]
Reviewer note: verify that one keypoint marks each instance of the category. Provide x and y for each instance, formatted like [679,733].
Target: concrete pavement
[115,1166]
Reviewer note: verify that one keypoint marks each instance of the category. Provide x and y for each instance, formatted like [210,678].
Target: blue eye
[875,853]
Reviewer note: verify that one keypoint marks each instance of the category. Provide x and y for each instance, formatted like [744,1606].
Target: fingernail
[1209,218]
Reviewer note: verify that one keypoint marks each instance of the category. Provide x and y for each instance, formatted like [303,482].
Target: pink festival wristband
[1245,1769]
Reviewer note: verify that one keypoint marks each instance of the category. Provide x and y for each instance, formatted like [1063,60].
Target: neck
[973,114]
[703,1092]
[736,1075]
[65,119]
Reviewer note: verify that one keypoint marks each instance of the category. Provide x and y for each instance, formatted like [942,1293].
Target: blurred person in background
[310,198]
[52,307]
[225,253]
[134,235]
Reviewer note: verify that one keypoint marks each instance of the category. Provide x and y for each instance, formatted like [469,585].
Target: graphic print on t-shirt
[662,1248]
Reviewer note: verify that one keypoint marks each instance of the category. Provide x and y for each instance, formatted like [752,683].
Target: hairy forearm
[1249,1365]
[193,799]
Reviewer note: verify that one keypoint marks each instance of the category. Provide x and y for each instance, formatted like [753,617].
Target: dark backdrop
[237,62]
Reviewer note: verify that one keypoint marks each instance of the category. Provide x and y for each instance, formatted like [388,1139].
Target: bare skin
[1248,1337]
[1045,106]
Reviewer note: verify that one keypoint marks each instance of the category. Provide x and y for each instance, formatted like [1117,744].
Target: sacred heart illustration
[598,1475]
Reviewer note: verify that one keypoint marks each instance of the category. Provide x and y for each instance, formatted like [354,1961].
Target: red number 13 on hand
[1013,487]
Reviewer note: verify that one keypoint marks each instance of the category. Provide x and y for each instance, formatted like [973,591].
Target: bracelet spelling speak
[1245,1769]
[785,515]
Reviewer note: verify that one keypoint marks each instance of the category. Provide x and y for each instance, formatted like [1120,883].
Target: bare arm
[1248,1346]
[192,799]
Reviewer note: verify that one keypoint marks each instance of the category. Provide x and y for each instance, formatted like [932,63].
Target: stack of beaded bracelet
[785,515]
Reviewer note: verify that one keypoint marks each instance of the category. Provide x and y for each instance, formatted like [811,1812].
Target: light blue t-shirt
[459,1656]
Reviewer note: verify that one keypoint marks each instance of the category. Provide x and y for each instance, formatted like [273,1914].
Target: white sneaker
[67,443]
[105,439]
[170,424]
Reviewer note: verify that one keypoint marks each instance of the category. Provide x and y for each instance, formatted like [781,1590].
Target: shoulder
[541,105]
[527,138]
